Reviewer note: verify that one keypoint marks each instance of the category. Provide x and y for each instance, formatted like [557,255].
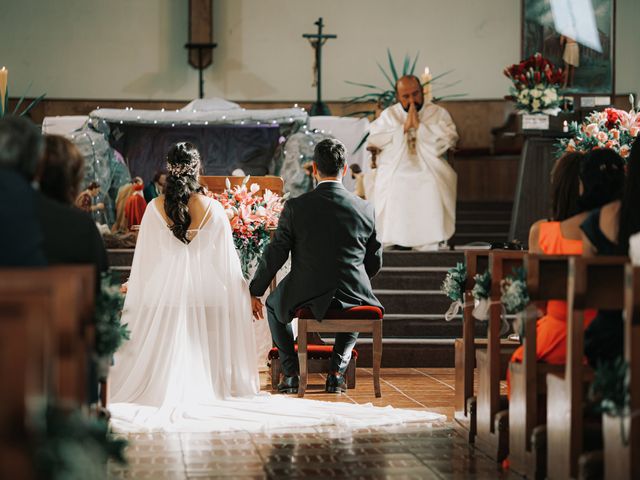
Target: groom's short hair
[330,157]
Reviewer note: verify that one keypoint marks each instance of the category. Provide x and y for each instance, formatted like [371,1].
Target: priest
[415,188]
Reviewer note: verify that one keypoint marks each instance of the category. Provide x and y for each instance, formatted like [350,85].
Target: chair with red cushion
[319,361]
[356,319]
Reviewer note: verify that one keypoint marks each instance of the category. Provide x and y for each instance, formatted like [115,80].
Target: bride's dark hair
[183,165]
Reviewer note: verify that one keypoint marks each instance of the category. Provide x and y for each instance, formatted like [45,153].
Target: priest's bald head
[408,91]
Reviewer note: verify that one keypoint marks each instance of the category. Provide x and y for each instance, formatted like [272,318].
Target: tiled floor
[411,451]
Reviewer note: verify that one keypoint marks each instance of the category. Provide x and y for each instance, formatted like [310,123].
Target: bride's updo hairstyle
[183,166]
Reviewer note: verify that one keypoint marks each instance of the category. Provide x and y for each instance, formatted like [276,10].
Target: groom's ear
[345,169]
[315,169]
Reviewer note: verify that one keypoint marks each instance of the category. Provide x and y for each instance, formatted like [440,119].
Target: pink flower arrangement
[612,128]
[252,218]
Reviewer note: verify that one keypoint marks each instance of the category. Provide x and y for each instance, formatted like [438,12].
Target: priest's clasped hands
[413,121]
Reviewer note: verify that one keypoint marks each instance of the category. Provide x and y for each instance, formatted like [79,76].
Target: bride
[191,362]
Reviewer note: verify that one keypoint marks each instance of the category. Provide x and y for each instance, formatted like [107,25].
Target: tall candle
[425,78]
[4,73]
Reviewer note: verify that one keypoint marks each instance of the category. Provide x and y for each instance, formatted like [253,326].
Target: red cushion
[355,313]
[313,351]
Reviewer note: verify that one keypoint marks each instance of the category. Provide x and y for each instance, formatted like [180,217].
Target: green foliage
[71,446]
[16,111]
[515,296]
[110,333]
[482,287]
[453,284]
[610,387]
[385,97]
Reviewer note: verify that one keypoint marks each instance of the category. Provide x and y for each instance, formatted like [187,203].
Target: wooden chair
[358,319]
[493,427]
[217,184]
[621,459]
[546,280]
[594,283]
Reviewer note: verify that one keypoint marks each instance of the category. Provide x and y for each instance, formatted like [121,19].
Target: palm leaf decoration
[385,97]
[16,110]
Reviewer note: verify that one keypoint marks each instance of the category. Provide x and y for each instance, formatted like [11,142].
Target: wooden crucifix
[200,43]
[317,40]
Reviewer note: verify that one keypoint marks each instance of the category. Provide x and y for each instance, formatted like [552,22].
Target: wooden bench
[622,456]
[493,427]
[546,280]
[477,261]
[42,352]
[594,283]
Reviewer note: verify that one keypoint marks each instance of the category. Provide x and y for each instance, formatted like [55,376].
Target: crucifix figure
[317,40]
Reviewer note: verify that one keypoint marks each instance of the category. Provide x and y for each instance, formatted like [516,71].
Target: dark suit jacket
[21,239]
[334,252]
[70,235]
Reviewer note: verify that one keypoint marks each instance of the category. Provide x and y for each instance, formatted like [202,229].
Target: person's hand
[100,206]
[412,118]
[256,308]
[124,287]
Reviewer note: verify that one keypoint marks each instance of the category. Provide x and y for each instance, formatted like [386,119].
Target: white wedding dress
[191,362]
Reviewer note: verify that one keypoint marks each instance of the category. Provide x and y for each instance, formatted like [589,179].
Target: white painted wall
[118,49]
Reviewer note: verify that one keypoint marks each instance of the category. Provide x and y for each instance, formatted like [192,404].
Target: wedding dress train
[191,362]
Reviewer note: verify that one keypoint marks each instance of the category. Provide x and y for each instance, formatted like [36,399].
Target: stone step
[483,215]
[408,352]
[442,258]
[466,238]
[410,278]
[413,301]
[484,206]
[425,326]
[482,227]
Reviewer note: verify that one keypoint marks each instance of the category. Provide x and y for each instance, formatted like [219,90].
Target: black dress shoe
[336,383]
[289,384]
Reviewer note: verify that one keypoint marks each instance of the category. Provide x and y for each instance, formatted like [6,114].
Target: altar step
[481,222]
[415,331]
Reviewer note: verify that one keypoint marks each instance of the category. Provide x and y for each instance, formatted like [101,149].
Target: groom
[331,236]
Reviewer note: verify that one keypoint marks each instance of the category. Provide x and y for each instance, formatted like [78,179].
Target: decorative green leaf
[361,143]
[413,66]
[391,82]
[15,110]
[33,104]
[363,113]
[405,65]
[392,66]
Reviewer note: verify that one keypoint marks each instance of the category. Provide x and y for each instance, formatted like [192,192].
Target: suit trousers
[282,335]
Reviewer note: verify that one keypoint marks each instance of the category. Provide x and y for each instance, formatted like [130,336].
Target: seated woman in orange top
[580,183]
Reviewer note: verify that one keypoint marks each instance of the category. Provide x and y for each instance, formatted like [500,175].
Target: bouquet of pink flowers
[252,218]
[611,128]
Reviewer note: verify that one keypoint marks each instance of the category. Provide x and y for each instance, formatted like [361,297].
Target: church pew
[28,361]
[621,456]
[477,261]
[70,310]
[546,280]
[594,283]
[492,423]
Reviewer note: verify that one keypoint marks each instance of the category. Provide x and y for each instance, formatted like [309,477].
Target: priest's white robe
[414,194]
